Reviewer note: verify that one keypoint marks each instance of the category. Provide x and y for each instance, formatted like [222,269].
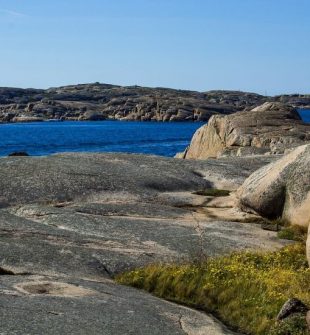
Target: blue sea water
[157,138]
[305,114]
[43,138]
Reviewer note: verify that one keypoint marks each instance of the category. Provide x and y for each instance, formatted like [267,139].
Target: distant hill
[102,101]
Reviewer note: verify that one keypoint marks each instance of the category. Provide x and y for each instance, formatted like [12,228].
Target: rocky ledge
[272,128]
[70,222]
[110,102]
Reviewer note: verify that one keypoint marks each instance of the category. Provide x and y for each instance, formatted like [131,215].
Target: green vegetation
[294,325]
[294,233]
[286,230]
[245,290]
[213,192]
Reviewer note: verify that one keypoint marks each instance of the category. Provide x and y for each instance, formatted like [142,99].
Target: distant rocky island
[111,102]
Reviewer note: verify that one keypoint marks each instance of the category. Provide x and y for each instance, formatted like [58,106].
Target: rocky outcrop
[271,128]
[70,222]
[280,189]
[102,101]
[27,118]
[292,306]
[95,215]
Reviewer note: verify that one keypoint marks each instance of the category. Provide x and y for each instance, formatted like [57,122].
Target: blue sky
[252,45]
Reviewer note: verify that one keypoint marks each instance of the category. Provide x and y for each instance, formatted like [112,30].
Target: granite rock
[280,189]
[70,222]
[102,101]
[271,128]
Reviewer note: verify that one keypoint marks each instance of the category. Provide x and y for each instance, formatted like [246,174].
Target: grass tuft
[294,233]
[245,290]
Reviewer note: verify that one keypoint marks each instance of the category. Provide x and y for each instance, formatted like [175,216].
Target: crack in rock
[181,324]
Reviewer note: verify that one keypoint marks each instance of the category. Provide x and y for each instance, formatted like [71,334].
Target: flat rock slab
[106,177]
[39,305]
[70,222]
[45,239]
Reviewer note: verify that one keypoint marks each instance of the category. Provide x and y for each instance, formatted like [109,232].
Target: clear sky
[252,45]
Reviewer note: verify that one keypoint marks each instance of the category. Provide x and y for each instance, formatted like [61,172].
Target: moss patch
[245,290]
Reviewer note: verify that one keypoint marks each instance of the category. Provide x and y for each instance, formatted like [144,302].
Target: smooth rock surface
[70,222]
[271,128]
[35,305]
[280,189]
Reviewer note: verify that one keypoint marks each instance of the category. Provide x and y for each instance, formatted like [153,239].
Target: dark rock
[18,153]
[270,226]
[292,306]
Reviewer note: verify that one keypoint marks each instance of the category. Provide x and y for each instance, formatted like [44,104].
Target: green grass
[294,325]
[286,230]
[245,290]
[213,192]
[294,233]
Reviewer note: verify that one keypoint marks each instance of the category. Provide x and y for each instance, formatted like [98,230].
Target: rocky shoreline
[132,103]
[70,222]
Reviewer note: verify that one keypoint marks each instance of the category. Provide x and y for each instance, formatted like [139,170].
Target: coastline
[94,102]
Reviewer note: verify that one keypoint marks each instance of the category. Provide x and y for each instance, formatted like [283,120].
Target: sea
[45,138]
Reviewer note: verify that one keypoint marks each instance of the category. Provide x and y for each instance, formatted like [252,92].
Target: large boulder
[280,189]
[271,128]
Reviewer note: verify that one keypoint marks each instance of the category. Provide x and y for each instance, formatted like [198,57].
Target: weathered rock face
[270,128]
[70,222]
[101,101]
[280,189]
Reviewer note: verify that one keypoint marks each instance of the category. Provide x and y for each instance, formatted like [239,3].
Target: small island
[94,102]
